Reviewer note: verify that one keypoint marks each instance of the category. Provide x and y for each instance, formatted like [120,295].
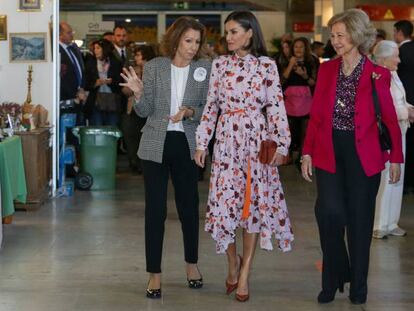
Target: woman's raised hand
[132,81]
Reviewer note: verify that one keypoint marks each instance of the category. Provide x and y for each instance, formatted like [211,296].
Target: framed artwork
[30,5]
[3,27]
[27,47]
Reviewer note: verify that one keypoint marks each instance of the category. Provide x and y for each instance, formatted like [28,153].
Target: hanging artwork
[27,47]
[30,5]
[3,27]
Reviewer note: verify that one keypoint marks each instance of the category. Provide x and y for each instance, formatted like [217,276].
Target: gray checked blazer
[155,105]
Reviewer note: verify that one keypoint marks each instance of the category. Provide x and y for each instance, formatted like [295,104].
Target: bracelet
[303,157]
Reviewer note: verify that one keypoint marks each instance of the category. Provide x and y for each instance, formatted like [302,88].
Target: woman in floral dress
[244,193]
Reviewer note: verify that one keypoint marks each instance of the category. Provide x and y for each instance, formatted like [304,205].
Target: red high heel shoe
[242,298]
[232,287]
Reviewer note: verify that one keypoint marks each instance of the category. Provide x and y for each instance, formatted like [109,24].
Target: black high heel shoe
[358,300]
[153,293]
[196,283]
[326,296]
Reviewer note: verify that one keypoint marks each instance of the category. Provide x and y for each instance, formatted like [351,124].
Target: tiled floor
[87,253]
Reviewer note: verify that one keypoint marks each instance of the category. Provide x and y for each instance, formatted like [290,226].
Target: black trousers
[409,160]
[184,174]
[297,126]
[131,130]
[346,204]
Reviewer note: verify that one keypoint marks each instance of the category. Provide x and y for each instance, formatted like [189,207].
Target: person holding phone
[298,80]
[102,76]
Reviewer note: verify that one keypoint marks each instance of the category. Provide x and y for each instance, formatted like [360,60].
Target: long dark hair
[247,20]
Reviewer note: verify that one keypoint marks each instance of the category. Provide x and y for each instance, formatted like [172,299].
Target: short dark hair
[122,27]
[405,26]
[174,33]
[108,33]
[247,20]
[381,34]
[316,44]
[146,51]
[107,47]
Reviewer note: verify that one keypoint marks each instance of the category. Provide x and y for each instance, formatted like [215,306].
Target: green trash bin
[98,148]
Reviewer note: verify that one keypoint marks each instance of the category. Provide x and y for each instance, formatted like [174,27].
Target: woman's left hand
[182,113]
[278,159]
[395,173]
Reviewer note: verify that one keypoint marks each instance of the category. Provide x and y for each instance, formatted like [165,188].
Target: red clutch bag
[267,150]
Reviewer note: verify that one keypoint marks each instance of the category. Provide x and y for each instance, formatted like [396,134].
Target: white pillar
[161,25]
[324,10]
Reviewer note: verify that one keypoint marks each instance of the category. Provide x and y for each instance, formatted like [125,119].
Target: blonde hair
[359,27]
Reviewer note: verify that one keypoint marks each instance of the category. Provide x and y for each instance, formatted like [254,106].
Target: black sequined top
[346,88]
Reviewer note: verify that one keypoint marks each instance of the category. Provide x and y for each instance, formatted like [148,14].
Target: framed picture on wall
[3,27]
[27,47]
[30,5]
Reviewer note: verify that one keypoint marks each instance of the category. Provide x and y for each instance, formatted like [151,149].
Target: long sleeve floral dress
[243,192]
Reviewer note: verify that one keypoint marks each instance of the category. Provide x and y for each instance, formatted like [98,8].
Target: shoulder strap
[375,99]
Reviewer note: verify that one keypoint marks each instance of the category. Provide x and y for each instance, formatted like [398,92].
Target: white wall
[13,76]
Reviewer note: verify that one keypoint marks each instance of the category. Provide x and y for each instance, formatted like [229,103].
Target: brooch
[376,76]
[200,74]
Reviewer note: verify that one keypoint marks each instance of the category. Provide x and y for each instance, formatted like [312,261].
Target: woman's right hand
[292,61]
[133,82]
[200,157]
[306,167]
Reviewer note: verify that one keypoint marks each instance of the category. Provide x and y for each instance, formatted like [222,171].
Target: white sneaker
[379,234]
[398,232]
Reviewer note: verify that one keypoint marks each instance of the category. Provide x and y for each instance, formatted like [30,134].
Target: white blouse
[400,101]
[179,76]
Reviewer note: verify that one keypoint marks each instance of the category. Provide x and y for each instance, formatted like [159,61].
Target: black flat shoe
[196,284]
[326,296]
[154,293]
[358,300]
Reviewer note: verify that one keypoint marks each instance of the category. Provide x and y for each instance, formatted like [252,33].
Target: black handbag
[384,134]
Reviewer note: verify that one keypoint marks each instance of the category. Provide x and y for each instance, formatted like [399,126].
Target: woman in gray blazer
[172,96]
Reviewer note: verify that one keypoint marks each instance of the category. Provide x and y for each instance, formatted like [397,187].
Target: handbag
[384,134]
[267,150]
[109,102]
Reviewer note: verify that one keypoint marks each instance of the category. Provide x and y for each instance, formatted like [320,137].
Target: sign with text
[388,12]
[100,27]
[303,27]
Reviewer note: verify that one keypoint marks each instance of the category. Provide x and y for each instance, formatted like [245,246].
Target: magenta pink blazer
[318,141]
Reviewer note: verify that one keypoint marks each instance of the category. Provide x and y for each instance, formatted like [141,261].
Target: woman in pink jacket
[342,142]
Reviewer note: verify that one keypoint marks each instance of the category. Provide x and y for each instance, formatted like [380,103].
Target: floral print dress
[243,192]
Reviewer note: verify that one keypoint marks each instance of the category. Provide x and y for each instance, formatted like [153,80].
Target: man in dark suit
[72,94]
[71,73]
[403,31]
[127,122]
[121,51]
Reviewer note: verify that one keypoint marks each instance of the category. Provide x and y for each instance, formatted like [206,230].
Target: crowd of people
[320,115]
